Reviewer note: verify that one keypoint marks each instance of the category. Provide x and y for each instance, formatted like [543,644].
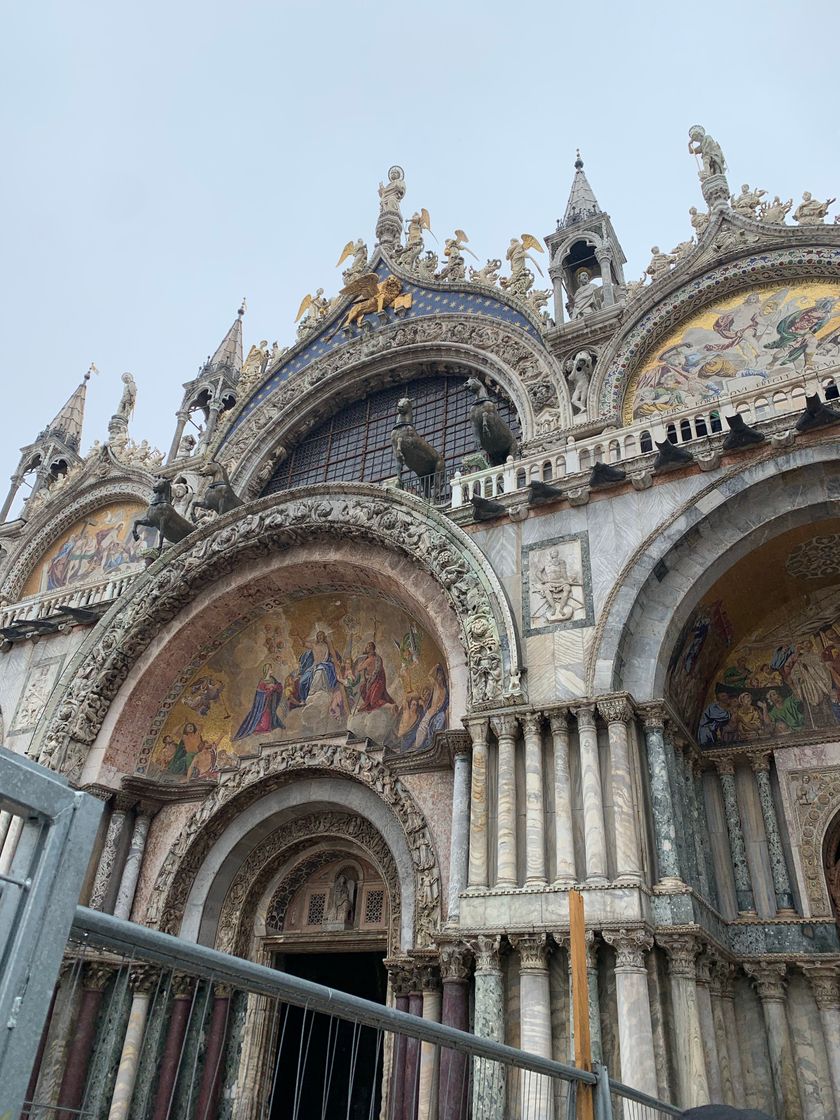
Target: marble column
[725,974]
[477,876]
[727,1086]
[697,825]
[594,998]
[564,848]
[737,847]
[635,1028]
[453,1091]
[62,1028]
[459,843]
[662,801]
[80,1051]
[427,1092]
[488,1096]
[617,713]
[703,835]
[109,852]
[506,728]
[823,980]
[42,1043]
[708,1033]
[536,1090]
[685,838]
[400,975]
[143,979]
[778,865]
[182,999]
[10,843]
[604,258]
[133,863]
[691,1062]
[210,1084]
[534,803]
[770,983]
[412,1051]
[593,800]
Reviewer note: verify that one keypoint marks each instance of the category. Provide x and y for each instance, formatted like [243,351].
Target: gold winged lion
[373,294]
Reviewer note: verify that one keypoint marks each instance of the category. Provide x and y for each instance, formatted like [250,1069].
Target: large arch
[671,570]
[490,347]
[399,524]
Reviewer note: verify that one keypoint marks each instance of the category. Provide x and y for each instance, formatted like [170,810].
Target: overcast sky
[164,160]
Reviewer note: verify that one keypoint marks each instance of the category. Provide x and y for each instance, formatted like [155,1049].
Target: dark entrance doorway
[323,1061]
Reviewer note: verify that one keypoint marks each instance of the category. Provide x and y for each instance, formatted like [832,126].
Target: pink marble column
[400,974]
[211,1074]
[182,997]
[72,1091]
[454,1083]
[412,1052]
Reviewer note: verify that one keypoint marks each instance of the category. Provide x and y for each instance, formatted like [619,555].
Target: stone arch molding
[669,302]
[527,371]
[676,564]
[398,521]
[256,779]
[816,803]
[293,842]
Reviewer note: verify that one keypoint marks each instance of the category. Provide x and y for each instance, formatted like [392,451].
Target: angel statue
[254,365]
[701,144]
[358,251]
[392,193]
[410,254]
[453,250]
[128,399]
[521,278]
[315,308]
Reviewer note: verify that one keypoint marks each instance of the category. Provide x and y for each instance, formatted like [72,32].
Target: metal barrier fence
[144,1026]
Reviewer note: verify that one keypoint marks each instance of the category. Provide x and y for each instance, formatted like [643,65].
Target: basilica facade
[476,593]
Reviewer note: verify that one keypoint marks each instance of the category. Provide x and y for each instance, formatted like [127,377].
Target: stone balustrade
[777,397]
[48,603]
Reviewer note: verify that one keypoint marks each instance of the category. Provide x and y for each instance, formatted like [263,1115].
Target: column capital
[823,979]
[147,809]
[123,802]
[653,715]
[558,720]
[703,970]
[585,715]
[401,974]
[143,978]
[487,951]
[769,978]
[682,950]
[760,762]
[455,963]
[616,709]
[630,946]
[182,985]
[429,974]
[101,793]
[723,978]
[725,766]
[505,727]
[532,723]
[96,976]
[533,951]
[478,729]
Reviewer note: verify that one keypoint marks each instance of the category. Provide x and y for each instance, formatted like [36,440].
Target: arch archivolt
[522,366]
[815,797]
[657,313]
[242,799]
[399,523]
[292,845]
[671,570]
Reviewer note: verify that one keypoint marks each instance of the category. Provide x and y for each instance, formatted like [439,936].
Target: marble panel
[557,584]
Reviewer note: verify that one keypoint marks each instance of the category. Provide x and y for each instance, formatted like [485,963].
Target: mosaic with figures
[319,665]
[738,343]
[95,548]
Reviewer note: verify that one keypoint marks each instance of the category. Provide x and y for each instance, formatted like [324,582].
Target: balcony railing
[47,603]
[683,426]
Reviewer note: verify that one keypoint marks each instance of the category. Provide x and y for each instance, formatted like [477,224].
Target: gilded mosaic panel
[95,548]
[315,666]
[738,343]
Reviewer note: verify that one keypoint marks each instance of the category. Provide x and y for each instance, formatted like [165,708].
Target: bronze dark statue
[412,451]
[163,516]
[219,496]
[494,437]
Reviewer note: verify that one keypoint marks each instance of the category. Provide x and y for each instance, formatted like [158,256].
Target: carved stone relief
[815,797]
[557,584]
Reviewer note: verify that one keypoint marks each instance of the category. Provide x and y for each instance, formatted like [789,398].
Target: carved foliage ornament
[816,800]
[254,780]
[400,523]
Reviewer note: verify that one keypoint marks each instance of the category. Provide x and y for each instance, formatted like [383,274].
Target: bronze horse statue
[412,451]
[492,434]
[219,497]
[163,516]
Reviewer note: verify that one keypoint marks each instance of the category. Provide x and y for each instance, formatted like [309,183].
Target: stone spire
[582,201]
[67,424]
[228,356]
